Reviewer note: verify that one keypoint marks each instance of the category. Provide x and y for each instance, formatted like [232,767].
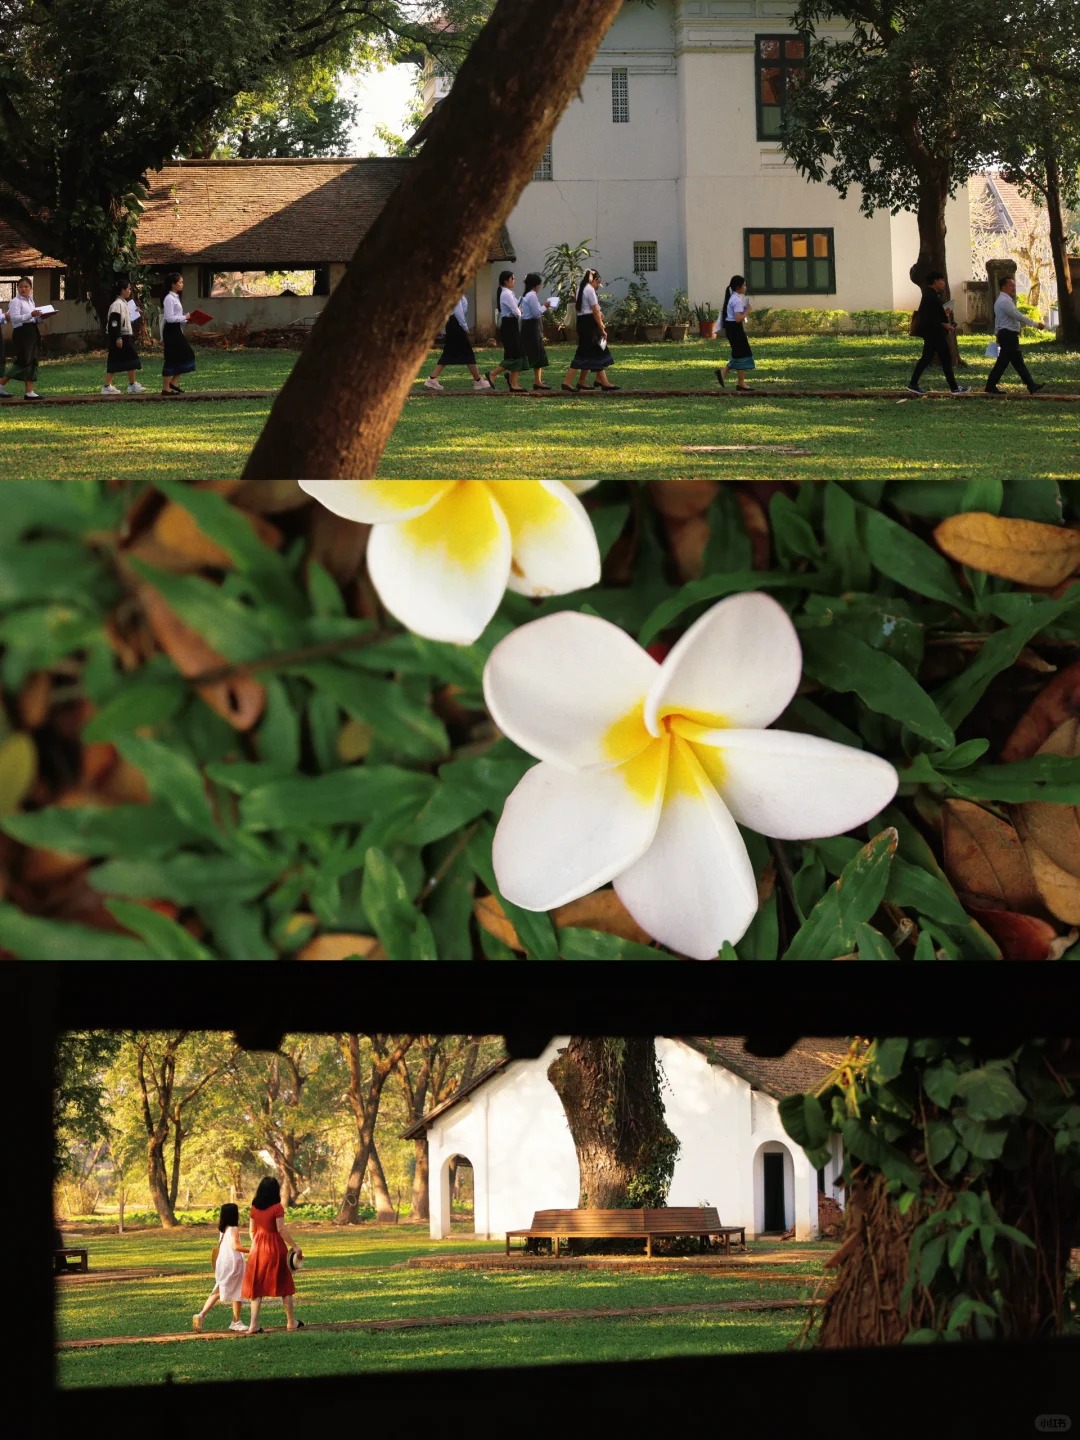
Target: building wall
[688,171]
[514,1132]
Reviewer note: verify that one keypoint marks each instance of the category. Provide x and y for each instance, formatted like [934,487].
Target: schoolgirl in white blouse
[457,349]
[179,356]
[509,311]
[25,340]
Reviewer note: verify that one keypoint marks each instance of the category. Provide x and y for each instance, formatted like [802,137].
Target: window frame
[547,162]
[785,65]
[646,269]
[788,231]
[623,73]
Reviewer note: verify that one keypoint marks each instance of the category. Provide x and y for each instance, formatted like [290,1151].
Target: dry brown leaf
[984,857]
[492,917]
[1026,551]
[341,947]
[35,697]
[239,700]
[603,910]
[683,499]
[1059,891]
[1021,937]
[756,524]
[1056,828]
[177,531]
[268,497]
[1056,701]
[688,539]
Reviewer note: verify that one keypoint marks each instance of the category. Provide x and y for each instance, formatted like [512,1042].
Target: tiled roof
[1016,211]
[803,1068]
[256,214]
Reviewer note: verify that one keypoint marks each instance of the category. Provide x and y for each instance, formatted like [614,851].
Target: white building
[720,1102]
[669,164]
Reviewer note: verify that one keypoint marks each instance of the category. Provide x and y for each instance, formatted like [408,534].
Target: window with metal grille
[620,97]
[779,62]
[790,262]
[645,257]
[543,170]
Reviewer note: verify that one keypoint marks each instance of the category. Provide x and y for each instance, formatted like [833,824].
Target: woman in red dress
[267,1271]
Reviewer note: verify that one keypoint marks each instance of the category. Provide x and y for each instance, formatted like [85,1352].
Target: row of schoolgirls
[268,1269]
[24,316]
[522,336]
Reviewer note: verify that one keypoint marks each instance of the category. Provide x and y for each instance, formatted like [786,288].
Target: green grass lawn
[635,437]
[359,1275]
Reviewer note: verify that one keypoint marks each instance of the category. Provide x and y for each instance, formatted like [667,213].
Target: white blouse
[461,312]
[174,311]
[508,304]
[531,308]
[19,311]
[589,301]
[736,306]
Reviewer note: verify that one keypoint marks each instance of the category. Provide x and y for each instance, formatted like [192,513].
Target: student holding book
[120,343]
[592,352]
[457,349]
[25,341]
[532,328]
[179,356]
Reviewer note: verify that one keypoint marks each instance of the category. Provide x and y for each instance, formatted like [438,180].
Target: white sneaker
[238,1325]
[109,390]
[481,385]
[432,384]
[136,389]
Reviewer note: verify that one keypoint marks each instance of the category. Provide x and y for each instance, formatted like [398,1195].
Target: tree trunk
[178,1140]
[930,214]
[420,1205]
[158,1180]
[337,409]
[1059,249]
[385,1213]
[610,1090]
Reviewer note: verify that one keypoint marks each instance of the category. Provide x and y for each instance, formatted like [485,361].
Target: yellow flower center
[674,759]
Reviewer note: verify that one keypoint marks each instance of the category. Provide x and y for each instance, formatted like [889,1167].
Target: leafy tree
[83,120]
[265,129]
[610,1090]
[963,1173]
[371,1059]
[80,1099]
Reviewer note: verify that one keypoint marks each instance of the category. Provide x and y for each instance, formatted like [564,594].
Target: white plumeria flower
[646,770]
[443,552]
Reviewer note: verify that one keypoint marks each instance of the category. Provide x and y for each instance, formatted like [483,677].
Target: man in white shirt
[1008,322]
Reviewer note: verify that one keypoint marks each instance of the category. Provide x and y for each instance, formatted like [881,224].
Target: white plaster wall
[905,250]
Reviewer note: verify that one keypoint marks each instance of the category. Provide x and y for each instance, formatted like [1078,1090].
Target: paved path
[763,392]
[430,1322]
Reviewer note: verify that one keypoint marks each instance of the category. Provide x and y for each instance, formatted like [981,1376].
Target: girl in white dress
[228,1270]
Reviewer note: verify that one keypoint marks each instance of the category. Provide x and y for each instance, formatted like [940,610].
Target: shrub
[781,321]
[639,306]
[880,322]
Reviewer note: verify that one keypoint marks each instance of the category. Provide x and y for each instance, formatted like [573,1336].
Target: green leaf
[715,587]
[142,703]
[28,937]
[829,929]
[405,934]
[865,1144]
[804,1120]
[930,1260]
[581,944]
[870,944]
[326,596]
[18,771]
[279,729]
[237,929]
[985,1139]
[844,663]
[467,789]
[234,630]
[343,797]
[988,1093]
[609,521]
[793,535]
[449,906]
[939,1082]
[143,830]
[172,778]
[843,543]
[167,939]
[940,1140]
[1044,777]
[184,879]
[410,727]
[888,1058]
[958,1245]
[903,557]
[39,570]
[982,494]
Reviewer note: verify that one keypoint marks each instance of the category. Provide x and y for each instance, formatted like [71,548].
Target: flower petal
[739,665]
[795,787]
[554,543]
[565,835]
[579,487]
[444,572]
[374,501]
[694,887]
[570,689]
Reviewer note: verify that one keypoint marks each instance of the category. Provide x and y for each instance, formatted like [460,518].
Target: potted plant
[649,313]
[705,312]
[679,317]
[563,268]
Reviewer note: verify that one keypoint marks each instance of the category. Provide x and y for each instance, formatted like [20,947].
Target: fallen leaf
[1058,889]
[984,856]
[1056,828]
[756,524]
[341,947]
[178,532]
[1025,551]
[688,539]
[239,700]
[1056,701]
[491,915]
[35,698]
[683,499]
[1021,937]
[603,910]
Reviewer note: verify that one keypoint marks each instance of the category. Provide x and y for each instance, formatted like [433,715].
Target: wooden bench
[649,1225]
[67,1261]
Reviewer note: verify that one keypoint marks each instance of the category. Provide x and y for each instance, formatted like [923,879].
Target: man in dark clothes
[935,324]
